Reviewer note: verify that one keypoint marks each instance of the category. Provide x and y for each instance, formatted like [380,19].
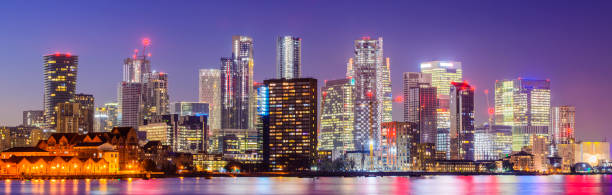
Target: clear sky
[569,43]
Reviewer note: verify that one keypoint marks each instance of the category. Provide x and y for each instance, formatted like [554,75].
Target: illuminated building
[484,148]
[60,76]
[130,104]
[593,153]
[290,128]
[135,67]
[420,104]
[372,92]
[155,94]
[237,84]
[68,117]
[106,117]
[424,158]
[34,118]
[210,93]
[87,106]
[568,158]
[523,104]
[539,150]
[521,161]
[398,146]
[337,116]
[288,57]
[182,133]
[442,74]
[189,108]
[562,125]
[462,121]
[502,140]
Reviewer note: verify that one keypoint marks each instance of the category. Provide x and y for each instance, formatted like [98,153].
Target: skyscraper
[288,57]
[523,104]
[68,117]
[420,104]
[372,92]
[562,125]
[237,84]
[183,133]
[130,106]
[290,128]
[210,93]
[60,76]
[462,121]
[399,145]
[34,118]
[189,108]
[106,117]
[442,74]
[337,116]
[87,106]
[155,94]
[136,67]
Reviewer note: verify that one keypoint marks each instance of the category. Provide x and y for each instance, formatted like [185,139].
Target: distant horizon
[566,42]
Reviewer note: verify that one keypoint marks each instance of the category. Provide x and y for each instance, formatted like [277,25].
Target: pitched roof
[25,149]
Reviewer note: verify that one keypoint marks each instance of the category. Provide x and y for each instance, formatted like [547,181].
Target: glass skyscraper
[288,57]
[337,116]
[462,121]
[60,76]
[237,85]
[210,92]
[420,104]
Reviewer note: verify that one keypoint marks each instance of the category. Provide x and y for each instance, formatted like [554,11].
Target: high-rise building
[372,92]
[155,94]
[523,104]
[492,142]
[182,133]
[420,104]
[34,118]
[87,106]
[60,76]
[288,57]
[399,145]
[68,117]
[462,121]
[210,93]
[562,124]
[337,116]
[106,117]
[290,126]
[130,104]
[237,84]
[442,74]
[135,67]
[189,108]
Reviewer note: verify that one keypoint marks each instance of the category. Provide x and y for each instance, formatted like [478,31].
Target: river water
[555,184]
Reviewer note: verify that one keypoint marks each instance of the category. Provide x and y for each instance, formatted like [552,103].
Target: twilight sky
[569,43]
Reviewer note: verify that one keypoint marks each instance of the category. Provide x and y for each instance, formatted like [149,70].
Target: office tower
[337,116]
[182,133]
[462,121]
[399,144]
[372,92]
[349,68]
[442,74]
[105,117]
[130,106]
[420,104]
[229,94]
[237,85]
[189,108]
[562,124]
[155,94]
[86,101]
[539,150]
[34,118]
[60,76]
[523,104]
[290,126]
[135,67]
[210,93]
[68,116]
[502,139]
[288,57]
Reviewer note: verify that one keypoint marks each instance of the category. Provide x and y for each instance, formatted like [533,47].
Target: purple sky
[568,43]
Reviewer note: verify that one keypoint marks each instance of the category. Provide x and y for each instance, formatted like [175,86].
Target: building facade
[462,121]
[562,125]
[68,117]
[34,118]
[87,106]
[290,128]
[523,104]
[337,116]
[420,104]
[130,104]
[210,93]
[288,57]
[106,117]
[60,77]
[182,133]
[399,146]
[155,97]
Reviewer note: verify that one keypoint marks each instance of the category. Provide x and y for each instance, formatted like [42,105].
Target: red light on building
[491,111]
[135,50]
[146,41]
[149,55]
[68,54]
[399,99]
[57,54]
[369,94]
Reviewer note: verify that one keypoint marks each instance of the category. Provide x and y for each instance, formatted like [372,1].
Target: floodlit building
[237,84]
[288,57]
[106,117]
[60,76]
[420,104]
[155,97]
[523,104]
[210,93]
[398,146]
[290,127]
[562,125]
[593,153]
[372,92]
[337,116]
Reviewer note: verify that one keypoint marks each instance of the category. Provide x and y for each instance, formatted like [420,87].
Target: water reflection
[558,184]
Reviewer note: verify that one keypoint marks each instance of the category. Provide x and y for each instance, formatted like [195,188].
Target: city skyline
[509,63]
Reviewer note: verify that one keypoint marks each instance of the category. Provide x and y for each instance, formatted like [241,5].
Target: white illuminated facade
[288,57]
[210,92]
